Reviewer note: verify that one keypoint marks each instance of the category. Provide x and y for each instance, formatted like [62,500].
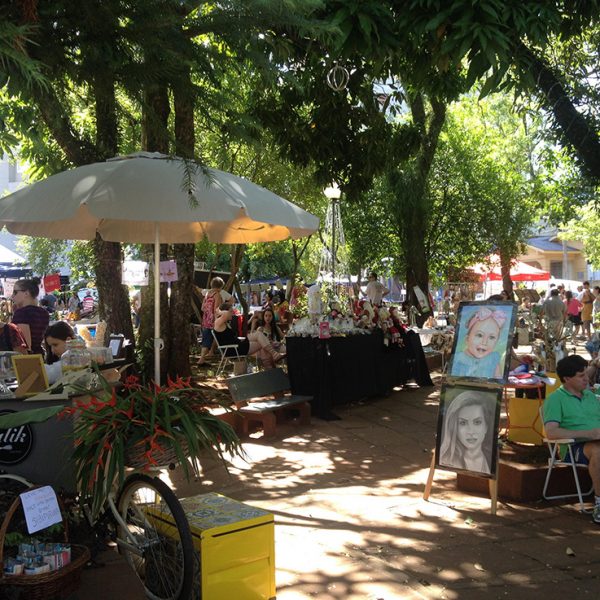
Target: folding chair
[556,461]
[225,360]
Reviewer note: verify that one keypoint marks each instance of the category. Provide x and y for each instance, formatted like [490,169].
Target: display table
[341,370]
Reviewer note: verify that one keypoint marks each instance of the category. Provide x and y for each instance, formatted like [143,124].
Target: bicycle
[150,529]
[147,523]
[140,427]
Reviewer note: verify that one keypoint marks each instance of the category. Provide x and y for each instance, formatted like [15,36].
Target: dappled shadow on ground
[351,522]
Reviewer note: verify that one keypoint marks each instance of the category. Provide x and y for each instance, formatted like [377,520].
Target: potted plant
[142,426]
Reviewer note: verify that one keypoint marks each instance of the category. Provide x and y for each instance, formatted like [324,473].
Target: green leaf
[35,415]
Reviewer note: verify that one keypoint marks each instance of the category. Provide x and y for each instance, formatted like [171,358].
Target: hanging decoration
[338,78]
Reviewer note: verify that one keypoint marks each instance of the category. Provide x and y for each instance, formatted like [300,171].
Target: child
[479,357]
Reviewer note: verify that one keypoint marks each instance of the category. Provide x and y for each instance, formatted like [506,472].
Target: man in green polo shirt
[573,411]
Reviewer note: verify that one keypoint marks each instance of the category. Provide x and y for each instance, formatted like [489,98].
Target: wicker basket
[46,586]
[135,457]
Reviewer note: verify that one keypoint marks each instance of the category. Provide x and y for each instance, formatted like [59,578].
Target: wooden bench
[262,396]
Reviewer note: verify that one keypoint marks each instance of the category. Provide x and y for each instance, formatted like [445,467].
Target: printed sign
[15,443]
[9,285]
[168,271]
[52,282]
[421,299]
[135,272]
[324,333]
[41,508]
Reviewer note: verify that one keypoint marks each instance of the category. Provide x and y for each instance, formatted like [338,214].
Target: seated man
[573,411]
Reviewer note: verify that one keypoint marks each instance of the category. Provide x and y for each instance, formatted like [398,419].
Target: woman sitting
[55,341]
[255,343]
[31,319]
[271,329]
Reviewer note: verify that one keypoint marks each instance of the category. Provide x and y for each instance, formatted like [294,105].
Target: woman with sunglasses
[31,319]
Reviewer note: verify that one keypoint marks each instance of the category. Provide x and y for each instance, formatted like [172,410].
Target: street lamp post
[333,193]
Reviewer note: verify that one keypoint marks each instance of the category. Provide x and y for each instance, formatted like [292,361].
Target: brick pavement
[351,522]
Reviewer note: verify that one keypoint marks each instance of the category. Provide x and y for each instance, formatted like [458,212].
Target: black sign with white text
[15,443]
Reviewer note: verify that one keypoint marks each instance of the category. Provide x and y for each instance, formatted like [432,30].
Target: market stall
[344,369]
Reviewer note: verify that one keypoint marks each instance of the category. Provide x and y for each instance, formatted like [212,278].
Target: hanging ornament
[338,78]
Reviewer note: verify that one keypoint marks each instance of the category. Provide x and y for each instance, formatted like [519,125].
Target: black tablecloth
[341,370]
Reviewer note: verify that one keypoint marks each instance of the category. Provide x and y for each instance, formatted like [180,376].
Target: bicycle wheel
[158,542]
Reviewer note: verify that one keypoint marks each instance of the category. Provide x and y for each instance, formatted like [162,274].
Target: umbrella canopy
[153,198]
[519,271]
[122,199]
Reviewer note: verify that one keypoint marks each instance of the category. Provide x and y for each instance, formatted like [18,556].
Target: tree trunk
[580,134]
[505,262]
[180,310]
[114,306]
[234,265]
[411,207]
[155,139]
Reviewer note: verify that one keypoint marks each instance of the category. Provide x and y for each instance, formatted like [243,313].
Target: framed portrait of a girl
[467,431]
[482,341]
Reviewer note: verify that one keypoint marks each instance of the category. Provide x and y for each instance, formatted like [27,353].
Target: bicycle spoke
[163,556]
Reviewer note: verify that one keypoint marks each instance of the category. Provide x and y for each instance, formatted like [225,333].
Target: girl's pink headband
[485,313]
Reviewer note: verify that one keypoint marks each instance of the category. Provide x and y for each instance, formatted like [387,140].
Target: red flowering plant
[142,426]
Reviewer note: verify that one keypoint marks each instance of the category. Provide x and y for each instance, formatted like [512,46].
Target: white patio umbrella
[152,198]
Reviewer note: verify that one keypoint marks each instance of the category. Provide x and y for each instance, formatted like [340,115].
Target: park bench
[262,397]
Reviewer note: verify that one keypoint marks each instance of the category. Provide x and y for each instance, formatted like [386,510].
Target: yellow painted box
[236,543]
[526,427]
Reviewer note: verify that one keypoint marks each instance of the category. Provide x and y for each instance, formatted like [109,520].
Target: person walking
[587,301]
[210,306]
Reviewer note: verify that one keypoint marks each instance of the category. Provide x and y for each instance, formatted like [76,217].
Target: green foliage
[81,260]
[585,228]
[144,421]
[48,256]
[370,233]
[493,164]
[43,255]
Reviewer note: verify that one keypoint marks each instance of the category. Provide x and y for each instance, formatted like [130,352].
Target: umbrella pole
[158,342]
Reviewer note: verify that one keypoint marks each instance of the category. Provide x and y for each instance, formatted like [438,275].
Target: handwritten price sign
[41,508]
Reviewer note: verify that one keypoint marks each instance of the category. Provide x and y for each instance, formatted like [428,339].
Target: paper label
[168,271]
[135,272]
[41,508]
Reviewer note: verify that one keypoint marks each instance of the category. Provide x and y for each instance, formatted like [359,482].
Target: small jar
[77,357]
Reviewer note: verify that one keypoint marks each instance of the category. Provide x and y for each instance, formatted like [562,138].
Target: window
[556,269]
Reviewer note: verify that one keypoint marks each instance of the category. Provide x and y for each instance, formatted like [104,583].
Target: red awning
[519,271]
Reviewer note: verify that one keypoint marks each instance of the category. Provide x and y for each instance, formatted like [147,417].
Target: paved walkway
[351,522]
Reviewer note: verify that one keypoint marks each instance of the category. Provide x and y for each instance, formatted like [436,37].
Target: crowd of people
[577,311]
[264,338]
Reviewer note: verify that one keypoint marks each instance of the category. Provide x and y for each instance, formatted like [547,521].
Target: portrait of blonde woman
[468,429]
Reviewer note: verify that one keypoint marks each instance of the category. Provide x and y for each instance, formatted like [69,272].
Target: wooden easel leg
[494,495]
[429,478]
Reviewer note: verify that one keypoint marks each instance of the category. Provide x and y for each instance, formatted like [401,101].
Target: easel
[493,485]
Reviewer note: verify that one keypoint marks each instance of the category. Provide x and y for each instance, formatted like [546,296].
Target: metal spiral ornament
[338,78]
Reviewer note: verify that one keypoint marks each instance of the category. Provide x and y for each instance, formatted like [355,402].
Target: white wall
[11,175]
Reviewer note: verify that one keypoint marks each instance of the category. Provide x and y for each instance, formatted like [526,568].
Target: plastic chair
[556,461]
[225,360]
